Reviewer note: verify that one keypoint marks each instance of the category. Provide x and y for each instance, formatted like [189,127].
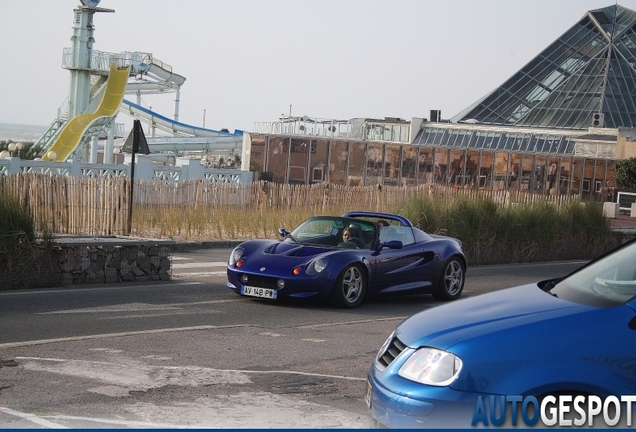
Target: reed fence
[100,206]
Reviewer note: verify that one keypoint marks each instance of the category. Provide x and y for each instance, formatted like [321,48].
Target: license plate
[367,394]
[258,292]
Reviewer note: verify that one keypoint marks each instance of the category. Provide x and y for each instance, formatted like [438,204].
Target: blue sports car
[346,258]
[521,355]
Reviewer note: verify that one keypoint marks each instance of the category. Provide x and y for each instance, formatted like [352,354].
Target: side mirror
[393,244]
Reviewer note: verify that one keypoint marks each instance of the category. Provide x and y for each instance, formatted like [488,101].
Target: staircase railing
[99,61]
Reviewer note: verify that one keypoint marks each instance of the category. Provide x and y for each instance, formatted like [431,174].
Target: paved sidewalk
[623,221]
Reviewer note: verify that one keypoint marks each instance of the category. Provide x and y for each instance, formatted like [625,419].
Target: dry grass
[209,223]
[494,225]
[491,231]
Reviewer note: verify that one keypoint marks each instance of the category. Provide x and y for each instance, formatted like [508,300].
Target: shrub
[626,173]
[17,228]
[496,233]
[25,254]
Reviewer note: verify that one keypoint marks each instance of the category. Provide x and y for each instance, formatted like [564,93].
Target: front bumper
[419,405]
[301,286]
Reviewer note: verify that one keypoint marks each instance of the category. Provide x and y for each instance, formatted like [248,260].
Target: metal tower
[81,54]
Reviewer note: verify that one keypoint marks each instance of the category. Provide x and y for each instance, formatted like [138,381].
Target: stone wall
[91,260]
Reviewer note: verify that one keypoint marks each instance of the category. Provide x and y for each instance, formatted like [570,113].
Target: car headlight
[431,366]
[236,255]
[317,266]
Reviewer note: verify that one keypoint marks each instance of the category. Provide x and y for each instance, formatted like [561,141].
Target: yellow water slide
[73,132]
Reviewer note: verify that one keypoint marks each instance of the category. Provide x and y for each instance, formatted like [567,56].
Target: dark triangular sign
[136,140]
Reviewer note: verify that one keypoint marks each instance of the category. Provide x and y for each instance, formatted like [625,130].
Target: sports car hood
[484,315]
[294,250]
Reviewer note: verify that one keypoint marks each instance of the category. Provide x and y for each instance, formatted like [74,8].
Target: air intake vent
[598,120]
[386,357]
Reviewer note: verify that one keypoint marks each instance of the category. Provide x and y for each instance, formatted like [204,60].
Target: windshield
[334,231]
[608,282]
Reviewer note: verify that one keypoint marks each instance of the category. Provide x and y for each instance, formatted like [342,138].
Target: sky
[248,61]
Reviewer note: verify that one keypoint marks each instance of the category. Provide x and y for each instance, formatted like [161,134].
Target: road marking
[283,372]
[310,326]
[245,410]
[107,350]
[179,329]
[219,273]
[32,418]
[125,423]
[200,265]
[120,334]
[154,285]
[314,340]
[137,307]
[81,368]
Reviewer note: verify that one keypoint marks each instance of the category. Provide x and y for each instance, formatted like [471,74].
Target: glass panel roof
[520,142]
[590,69]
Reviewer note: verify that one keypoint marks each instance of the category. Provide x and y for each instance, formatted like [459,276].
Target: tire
[451,281]
[350,288]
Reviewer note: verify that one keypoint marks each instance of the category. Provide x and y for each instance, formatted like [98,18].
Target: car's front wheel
[350,288]
[451,281]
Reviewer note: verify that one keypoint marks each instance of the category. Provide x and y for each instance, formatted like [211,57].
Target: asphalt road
[191,353]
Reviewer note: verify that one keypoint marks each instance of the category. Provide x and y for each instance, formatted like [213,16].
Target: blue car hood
[444,326]
[295,250]
[263,252]
[526,341]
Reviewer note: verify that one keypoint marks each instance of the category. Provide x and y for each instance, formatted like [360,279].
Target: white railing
[99,61]
[145,169]
[305,126]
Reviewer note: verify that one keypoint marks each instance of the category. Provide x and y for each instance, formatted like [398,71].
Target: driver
[347,235]
[349,239]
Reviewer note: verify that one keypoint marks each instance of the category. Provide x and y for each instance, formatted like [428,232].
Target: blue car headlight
[236,255]
[317,266]
[432,367]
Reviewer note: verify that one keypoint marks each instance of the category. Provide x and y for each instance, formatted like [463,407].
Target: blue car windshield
[608,282]
[332,231]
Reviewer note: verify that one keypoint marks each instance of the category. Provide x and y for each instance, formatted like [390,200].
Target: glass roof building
[587,77]
[556,127]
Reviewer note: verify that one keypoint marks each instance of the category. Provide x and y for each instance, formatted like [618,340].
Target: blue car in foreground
[528,349]
[347,258]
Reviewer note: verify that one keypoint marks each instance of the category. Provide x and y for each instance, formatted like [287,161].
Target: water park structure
[99,83]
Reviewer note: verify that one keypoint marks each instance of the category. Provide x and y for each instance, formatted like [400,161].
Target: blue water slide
[169,125]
